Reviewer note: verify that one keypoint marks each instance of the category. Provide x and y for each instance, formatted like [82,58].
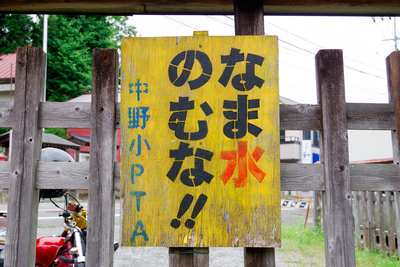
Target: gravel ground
[219,257]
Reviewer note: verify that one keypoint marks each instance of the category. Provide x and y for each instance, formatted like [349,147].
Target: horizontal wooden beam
[271,7]
[294,177]
[292,117]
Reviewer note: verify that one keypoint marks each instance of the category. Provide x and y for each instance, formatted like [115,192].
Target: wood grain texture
[393,73]
[390,225]
[302,176]
[4,174]
[356,214]
[370,116]
[65,115]
[201,257]
[360,116]
[300,117]
[338,222]
[181,257]
[259,257]
[23,197]
[294,177]
[249,17]
[6,112]
[381,221]
[365,222]
[374,177]
[68,175]
[371,218]
[102,156]
[271,7]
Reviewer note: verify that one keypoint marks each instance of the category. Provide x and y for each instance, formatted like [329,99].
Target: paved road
[49,223]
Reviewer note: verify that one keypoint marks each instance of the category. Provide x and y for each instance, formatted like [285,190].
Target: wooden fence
[375,221]
[24,174]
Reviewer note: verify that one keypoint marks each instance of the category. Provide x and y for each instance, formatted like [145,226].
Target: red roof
[7,65]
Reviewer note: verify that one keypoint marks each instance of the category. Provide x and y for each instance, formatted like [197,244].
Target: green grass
[306,248]
[301,247]
[368,258]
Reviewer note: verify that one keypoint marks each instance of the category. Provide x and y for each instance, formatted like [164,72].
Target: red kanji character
[245,161]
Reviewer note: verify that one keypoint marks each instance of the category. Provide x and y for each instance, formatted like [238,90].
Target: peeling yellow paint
[240,205]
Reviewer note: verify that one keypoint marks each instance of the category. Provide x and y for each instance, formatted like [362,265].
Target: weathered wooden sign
[200,134]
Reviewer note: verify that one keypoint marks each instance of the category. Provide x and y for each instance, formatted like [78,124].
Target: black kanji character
[239,126]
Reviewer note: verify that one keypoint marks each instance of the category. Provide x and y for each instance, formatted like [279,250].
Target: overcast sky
[300,38]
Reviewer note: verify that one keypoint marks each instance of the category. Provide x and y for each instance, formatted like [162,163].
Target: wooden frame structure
[23,175]
[218,7]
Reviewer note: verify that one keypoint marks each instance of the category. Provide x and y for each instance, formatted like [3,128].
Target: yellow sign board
[200,135]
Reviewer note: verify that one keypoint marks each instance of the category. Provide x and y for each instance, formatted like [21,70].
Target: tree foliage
[18,30]
[71,40]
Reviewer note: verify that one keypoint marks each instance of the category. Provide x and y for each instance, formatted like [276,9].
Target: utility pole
[395,37]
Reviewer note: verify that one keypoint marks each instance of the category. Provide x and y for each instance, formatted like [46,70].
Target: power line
[177,21]
[297,47]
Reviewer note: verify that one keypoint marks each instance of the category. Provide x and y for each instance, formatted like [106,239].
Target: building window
[282,133]
[315,138]
[306,135]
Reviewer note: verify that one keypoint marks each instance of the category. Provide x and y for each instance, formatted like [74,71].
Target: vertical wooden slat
[101,211]
[365,230]
[393,75]
[356,212]
[249,20]
[371,219]
[338,221]
[397,219]
[26,146]
[382,235]
[389,216]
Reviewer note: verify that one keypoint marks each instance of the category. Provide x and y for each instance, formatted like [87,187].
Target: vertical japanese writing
[137,118]
[196,176]
[238,113]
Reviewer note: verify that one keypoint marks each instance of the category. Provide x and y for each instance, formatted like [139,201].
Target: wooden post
[259,257]
[249,17]
[101,213]
[26,147]
[338,220]
[249,20]
[393,77]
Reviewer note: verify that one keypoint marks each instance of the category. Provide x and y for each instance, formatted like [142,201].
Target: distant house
[298,146]
[7,76]
[82,136]
[48,140]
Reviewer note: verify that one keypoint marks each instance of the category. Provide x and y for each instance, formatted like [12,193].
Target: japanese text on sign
[200,163]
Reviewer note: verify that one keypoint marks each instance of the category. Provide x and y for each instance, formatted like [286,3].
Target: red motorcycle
[65,250]
[68,249]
